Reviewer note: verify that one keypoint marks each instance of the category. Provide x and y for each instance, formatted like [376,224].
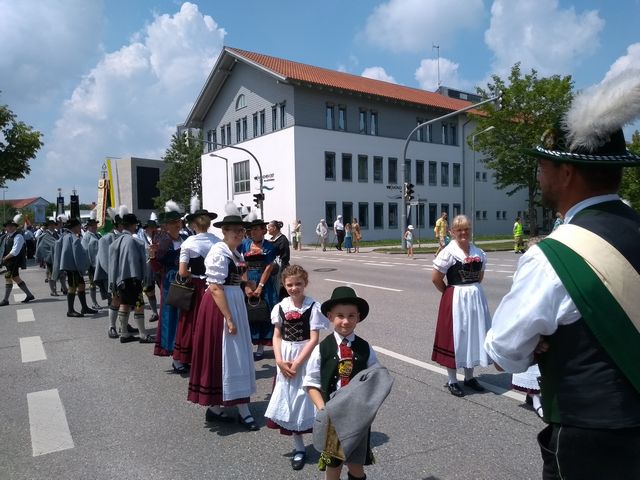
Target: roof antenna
[437,47]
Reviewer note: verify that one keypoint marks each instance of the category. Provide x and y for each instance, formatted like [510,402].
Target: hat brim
[361,303]
[6,224]
[192,216]
[257,223]
[626,160]
[230,220]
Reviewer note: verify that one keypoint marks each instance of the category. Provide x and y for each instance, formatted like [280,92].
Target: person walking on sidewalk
[518,243]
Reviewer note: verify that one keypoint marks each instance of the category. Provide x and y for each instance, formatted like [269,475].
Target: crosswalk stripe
[18,297]
[25,315]
[32,350]
[48,423]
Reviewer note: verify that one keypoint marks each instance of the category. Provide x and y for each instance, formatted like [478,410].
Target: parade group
[572,308]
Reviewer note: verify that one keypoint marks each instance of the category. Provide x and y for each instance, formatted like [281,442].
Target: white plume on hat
[171,206]
[194,204]
[123,210]
[62,218]
[231,208]
[252,216]
[17,219]
[93,215]
[153,217]
[112,214]
[602,109]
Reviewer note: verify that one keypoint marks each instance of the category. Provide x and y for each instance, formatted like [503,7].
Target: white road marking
[31,349]
[379,264]
[18,297]
[25,315]
[48,423]
[443,371]
[345,282]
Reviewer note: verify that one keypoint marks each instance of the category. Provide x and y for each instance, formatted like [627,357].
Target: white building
[331,143]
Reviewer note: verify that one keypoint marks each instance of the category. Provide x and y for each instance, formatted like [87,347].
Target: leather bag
[180,294]
[257,310]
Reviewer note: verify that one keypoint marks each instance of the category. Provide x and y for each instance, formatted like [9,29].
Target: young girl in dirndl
[297,320]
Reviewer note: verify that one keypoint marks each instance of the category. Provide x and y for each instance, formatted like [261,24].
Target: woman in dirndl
[192,270]
[222,373]
[463,315]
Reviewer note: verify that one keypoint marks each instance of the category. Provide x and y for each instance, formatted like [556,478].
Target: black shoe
[148,339]
[65,291]
[181,369]
[4,303]
[473,384]
[112,332]
[28,299]
[153,318]
[249,423]
[74,314]
[88,311]
[455,389]
[257,356]
[222,417]
[54,294]
[528,400]
[298,460]
[96,307]
[129,339]
[130,329]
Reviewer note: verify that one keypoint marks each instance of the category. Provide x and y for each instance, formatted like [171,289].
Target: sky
[113,78]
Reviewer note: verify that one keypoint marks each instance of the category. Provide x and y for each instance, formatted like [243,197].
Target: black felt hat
[346,295]
[230,220]
[72,222]
[13,221]
[201,212]
[129,219]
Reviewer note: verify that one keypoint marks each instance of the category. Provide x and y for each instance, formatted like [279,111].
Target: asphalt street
[78,405]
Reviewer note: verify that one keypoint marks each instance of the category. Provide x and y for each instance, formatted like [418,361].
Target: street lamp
[473,189]
[4,203]
[226,161]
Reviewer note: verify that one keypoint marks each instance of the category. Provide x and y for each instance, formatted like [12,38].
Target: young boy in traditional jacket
[342,433]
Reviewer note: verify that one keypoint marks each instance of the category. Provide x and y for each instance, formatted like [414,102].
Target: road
[77,405]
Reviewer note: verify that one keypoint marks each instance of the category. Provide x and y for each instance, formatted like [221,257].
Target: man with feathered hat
[575,301]
[147,234]
[90,241]
[13,257]
[70,257]
[44,252]
[127,262]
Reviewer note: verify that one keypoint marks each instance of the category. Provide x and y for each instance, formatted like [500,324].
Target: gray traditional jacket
[90,244]
[68,255]
[102,258]
[45,246]
[127,259]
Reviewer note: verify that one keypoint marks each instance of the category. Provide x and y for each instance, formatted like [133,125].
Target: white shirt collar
[588,203]
[350,338]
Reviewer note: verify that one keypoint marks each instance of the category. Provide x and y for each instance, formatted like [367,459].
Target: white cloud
[132,100]
[625,62]
[427,75]
[42,44]
[415,25]
[378,73]
[541,35]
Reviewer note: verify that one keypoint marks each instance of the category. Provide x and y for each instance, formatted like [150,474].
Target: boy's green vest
[329,360]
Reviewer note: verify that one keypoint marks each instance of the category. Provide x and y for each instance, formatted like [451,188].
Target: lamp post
[403,223]
[473,189]
[4,203]
[226,161]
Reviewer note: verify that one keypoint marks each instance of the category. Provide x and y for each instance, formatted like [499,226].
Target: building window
[346,167]
[363,168]
[504,214]
[362,120]
[393,215]
[330,212]
[420,131]
[445,133]
[262,122]
[484,214]
[444,208]
[374,123]
[211,134]
[229,142]
[453,134]
[329,166]
[393,170]
[255,125]
[283,120]
[420,220]
[430,133]
[407,170]
[419,172]
[456,209]
[433,173]
[238,132]
[484,176]
[444,174]
[477,176]
[330,117]
[223,136]
[497,214]
[378,215]
[363,215]
[347,212]
[456,174]
[244,128]
[274,118]
[433,213]
[240,102]
[241,182]
[377,170]
[342,118]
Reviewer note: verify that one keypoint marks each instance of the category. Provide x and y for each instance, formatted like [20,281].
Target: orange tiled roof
[19,202]
[345,81]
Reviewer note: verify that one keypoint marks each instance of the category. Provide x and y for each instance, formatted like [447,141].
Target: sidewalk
[430,244]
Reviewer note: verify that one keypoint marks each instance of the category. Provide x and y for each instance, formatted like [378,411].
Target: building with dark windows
[136,184]
[330,143]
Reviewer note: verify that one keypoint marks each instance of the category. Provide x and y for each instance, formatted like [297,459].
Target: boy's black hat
[346,296]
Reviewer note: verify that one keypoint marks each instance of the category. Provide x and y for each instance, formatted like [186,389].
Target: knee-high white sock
[468,373]
[139,318]
[243,410]
[451,372]
[123,320]
[298,443]
[113,316]
[536,400]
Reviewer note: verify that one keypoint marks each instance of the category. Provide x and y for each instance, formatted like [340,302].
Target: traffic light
[258,198]
[408,191]
[498,102]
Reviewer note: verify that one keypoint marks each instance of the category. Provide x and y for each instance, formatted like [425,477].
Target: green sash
[606,297]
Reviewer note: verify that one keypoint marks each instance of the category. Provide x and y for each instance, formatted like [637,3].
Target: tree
[530,105]
[19,143]
[630,188]
[182,178]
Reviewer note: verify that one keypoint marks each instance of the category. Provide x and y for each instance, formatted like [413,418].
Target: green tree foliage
[630,188]
[530,105]
[19,143]
[182,178]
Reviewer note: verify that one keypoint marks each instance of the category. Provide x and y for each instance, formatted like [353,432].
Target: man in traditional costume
[147,234]
[44,252]
[90,241]
[13,256]
[127,261]
[71,257]
[575,300]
